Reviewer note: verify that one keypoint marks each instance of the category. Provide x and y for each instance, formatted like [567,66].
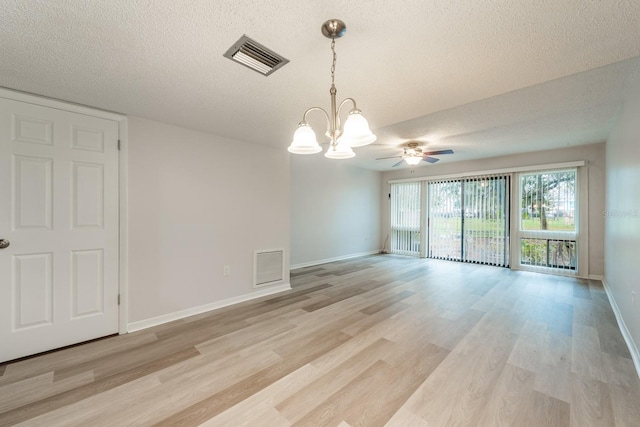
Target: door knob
[4,243]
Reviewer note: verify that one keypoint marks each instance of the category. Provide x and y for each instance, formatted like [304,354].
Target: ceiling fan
[413,155]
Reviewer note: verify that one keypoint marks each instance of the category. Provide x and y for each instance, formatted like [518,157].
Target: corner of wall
[633,348]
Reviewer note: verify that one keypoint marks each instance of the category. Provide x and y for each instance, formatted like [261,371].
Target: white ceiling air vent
[253,55]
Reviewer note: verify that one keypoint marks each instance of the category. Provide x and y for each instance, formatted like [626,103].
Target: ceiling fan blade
[392,157]
[435,153]
[398,164]
[430,159]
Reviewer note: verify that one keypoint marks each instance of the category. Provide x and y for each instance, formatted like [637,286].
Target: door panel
[33,290]
[88,282]
[59,210]
[88,195]
[32,190]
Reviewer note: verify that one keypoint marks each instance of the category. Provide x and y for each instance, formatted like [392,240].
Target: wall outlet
[226,270]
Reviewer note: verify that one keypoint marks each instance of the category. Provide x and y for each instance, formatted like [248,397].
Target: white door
[59,215]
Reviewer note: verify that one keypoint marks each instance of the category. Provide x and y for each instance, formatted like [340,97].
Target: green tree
[539,192]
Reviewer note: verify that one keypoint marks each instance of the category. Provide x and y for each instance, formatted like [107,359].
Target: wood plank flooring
[373,341]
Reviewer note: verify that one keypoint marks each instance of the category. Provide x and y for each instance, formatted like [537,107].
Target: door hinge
[118,299]
[118,145]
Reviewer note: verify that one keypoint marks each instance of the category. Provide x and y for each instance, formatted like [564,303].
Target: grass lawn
[488,227]
[477,225]
[553,225]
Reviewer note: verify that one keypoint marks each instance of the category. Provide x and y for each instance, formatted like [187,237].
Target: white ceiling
[484,77]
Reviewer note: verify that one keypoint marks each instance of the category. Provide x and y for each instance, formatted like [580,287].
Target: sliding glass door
[486,220]
[468,220]
[445,220]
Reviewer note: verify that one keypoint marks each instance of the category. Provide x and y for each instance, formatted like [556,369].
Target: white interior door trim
[124,224]
[123,285]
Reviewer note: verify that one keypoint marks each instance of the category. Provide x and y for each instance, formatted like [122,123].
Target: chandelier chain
[333,64]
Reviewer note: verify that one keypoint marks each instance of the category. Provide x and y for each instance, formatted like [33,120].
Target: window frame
[548,235]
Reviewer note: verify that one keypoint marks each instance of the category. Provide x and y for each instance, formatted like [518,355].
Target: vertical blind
[485,218]
[405,218]
[468,219]
[445,219]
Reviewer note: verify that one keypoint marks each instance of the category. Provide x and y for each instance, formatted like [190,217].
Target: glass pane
[445,220]
[468,220]
[548,253]
[533,252]
[485,220]
[562,254]
[548,201]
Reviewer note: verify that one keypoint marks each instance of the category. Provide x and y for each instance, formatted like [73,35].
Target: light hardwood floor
[379,340]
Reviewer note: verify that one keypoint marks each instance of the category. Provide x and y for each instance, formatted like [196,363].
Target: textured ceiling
[484,78]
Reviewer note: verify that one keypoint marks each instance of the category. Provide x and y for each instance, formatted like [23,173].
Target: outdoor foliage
[548,200]
[548,253]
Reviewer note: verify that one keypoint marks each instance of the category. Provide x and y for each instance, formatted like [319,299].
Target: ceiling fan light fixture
[304,140]
[356,130]
[413,155]
[413,160]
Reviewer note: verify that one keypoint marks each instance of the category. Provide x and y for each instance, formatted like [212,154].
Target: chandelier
[354,133]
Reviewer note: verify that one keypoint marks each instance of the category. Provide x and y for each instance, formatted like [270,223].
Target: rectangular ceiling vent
[253,55]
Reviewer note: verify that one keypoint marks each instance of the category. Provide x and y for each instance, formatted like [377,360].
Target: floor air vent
[253,55]
[268,267]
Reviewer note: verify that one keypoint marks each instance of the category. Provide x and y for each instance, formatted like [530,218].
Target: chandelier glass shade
[304,141]
[354,133]
[340,150]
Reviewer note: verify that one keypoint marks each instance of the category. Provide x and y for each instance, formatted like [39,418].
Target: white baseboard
[338,258]
[633,349]
[159,320]
[596,277]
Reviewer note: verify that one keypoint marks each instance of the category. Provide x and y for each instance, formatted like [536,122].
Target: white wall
[622,219]
[198,202]
[335,210]
[593,154]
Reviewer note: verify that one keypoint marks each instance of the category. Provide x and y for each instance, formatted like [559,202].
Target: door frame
[123,217]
